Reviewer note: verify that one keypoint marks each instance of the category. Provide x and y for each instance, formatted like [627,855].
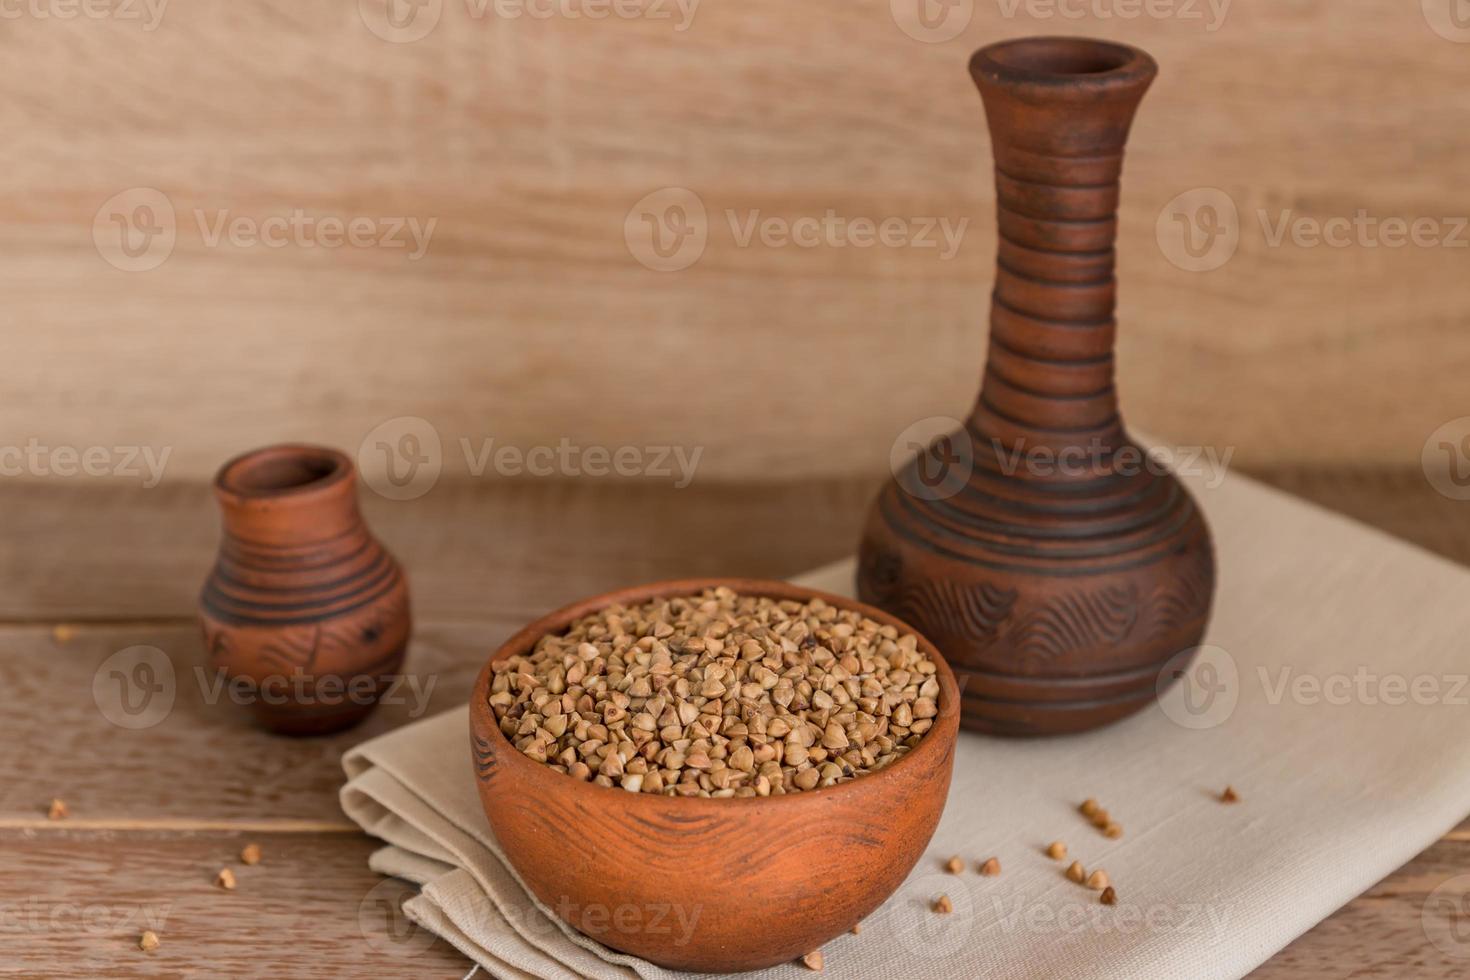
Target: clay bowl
[711,885]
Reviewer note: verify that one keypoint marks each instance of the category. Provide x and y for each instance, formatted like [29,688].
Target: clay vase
[1055,565]
[304,611]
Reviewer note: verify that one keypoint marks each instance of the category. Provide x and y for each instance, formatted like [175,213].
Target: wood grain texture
[530,140]
[76,902]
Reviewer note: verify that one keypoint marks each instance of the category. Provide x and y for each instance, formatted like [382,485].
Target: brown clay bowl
[711,885]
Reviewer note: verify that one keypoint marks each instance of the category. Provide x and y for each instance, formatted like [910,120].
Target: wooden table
[156,812]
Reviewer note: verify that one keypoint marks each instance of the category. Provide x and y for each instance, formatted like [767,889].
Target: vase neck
[1059,112]
[289,497]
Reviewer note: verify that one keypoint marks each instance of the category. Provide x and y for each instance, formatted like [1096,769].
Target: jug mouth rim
[1063,60]
[285,470]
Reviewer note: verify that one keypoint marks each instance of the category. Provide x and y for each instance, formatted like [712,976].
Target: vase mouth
[283,471]
[1062,60]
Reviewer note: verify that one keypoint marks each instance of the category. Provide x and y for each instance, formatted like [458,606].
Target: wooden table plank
[74,903]
[199,761]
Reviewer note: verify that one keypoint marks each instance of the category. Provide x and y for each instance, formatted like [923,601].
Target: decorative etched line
[973,612]
[484,759]
[1073,623]
[1182,598]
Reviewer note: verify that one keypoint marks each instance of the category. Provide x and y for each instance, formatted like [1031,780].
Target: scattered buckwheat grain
[1112,831]
[250,854]
[225,879]
[1056,850]
[857,928]
[1229,796]
[1109,897]
[1076,872]
[58,810]
[148,942]
[813,960]
[954,865]
[1098,880]
[63,634]
[718,694]
[1089,807]
[943,905]
[991,867]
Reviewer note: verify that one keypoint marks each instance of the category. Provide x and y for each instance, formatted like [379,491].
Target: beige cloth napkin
[1332,698]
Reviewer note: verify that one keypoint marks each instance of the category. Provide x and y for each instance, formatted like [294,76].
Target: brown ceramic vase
[304,610]
[711,885]
[1056,567]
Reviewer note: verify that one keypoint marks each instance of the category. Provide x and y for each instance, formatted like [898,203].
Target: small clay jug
[1057,567]
[304,612]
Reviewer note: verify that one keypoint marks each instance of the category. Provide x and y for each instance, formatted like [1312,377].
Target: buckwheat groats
[718,694]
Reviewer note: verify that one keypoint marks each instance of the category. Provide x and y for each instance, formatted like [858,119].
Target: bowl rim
[929,751]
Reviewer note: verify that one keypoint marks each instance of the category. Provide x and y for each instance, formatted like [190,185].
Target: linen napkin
[1331,696]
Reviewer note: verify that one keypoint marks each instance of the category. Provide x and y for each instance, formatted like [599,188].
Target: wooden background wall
[529,140]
